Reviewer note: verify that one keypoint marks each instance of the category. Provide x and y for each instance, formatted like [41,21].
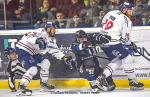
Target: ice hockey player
[29,50]
[87,64]
[14,67]
[53,49]
[117,24]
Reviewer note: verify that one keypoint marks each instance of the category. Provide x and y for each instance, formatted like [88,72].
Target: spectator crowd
[69,13]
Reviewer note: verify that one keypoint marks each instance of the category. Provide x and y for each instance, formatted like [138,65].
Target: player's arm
[100,38]
[126,30]
[11,82]
[126,27]
[11,78]
[41,42]
[77,47]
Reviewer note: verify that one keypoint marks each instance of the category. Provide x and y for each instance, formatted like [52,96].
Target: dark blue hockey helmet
[81,34]
[49,25]
[8,51]
[125,5]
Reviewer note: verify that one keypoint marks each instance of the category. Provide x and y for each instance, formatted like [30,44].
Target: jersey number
[108,24]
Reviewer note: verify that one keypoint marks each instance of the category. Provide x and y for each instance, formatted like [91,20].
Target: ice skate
[134,85]
[45,87]
[13,90]
[102,83]
[111,84]
[94,88]
[24,92]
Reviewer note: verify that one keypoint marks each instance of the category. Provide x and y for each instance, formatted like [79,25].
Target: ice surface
[81,93]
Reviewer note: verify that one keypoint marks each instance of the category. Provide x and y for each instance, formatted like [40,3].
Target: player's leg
[99,70]
[129,70]
[104,81]
[27,77]
[89,73]
[44,75]
[31,66]
[115,53]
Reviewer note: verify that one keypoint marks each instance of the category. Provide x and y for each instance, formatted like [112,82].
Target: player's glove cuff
[132,46]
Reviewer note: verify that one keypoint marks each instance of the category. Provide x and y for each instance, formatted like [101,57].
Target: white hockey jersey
[28,44]
[117,25]
[52,48]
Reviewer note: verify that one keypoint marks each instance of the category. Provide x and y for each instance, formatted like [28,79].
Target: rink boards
[71,84]
[63,77]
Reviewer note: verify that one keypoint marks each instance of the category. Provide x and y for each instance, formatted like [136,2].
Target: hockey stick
[136,51]
[141,41]
[86,54]
[100,57]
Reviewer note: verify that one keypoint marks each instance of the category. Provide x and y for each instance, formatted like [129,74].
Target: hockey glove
[69,62]
[86,44]
[132,46]
[100,38]
[41,42]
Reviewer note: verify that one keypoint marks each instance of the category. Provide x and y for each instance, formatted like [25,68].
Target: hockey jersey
[28,44]
[117,25]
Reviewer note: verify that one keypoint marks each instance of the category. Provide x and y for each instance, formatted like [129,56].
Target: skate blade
[46,90]
[103,88]
[24,94]
[96,90]
[136,88]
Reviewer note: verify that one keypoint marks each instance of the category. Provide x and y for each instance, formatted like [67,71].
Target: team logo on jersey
[116,53]
[107,24]
[127,37]
[23,63]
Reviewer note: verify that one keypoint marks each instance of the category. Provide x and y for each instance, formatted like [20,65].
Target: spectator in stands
[75,7]
[139,6]
[62,6]
[74,22]
[87,3]
[113,4]
[21,21]
[45,11]
[41,23]
[94,8]
[20,12]
[54,11]
[60,21]
[138,9]
[99,20]
[146,19]
[86,22]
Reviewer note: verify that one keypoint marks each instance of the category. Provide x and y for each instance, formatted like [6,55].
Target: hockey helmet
[125,5]
[81,34]
[49,25]
[8,51]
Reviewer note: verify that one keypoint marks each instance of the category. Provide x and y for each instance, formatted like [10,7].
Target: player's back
[28,44]
[113,23]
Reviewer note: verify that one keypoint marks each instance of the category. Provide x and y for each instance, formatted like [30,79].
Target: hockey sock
[44,72]
[44,75]
[130,74]
[128,63]
[27,77]
[109,69]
